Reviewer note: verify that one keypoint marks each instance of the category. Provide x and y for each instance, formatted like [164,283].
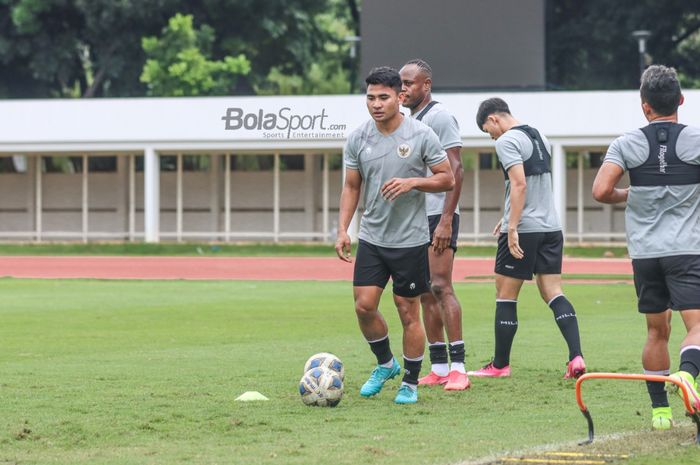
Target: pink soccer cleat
[432,380]
[490,371]
[457,381]
[575,368]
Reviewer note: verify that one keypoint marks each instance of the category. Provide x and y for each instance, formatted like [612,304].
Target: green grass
[250,249]
[146,372]
[572,276]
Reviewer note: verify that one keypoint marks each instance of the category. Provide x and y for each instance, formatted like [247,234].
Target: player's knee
[364,311]
[659,332]
[440,288]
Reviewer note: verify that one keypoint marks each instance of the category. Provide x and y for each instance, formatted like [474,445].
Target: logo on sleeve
[403,150]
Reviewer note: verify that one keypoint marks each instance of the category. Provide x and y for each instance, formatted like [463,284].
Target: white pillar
[227,198]
[580,201]
[310,189]
[85,197]
[38,199]
[326,203]
[151,190]
[477,197]
[276,199]
[214,202]
[132,197]
[559,183]
[178,199]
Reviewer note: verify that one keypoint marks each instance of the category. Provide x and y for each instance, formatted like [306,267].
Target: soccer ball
[321,387]
[324,359]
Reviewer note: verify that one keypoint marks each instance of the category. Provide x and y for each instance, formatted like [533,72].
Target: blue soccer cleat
[407,395]
[379,376]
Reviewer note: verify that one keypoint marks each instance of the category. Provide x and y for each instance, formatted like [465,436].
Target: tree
[92,48]
[590,44]
[177,63]
[332,71]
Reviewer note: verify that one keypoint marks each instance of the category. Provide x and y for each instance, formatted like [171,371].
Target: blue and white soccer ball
[324,359]
[321,387]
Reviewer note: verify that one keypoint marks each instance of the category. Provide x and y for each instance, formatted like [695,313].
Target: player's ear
[428,84]
[680,102]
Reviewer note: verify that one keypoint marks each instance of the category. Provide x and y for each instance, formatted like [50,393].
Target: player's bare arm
[349,199]
[604,189]
[441,180]
[518,188]
[443,231]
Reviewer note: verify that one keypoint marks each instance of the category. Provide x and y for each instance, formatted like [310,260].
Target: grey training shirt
[405,153]
[447,129]
[661,221]
[539,215]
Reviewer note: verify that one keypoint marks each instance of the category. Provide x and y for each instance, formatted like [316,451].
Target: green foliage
[134,372]
[93,48]
[178,65]
[322,78]
[330,72]
[590,44]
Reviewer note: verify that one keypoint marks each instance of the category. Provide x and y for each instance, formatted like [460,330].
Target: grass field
[146,372]
[253,249]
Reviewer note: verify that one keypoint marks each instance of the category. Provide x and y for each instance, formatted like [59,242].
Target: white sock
[412,387]
[440,369]
[388,364]
[455,366]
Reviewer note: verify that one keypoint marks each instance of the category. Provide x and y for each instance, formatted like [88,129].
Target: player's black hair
[489,107]
[660,89]
[423,65]
[386,76]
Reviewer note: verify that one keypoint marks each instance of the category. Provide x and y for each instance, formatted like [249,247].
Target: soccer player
[389,154]
[530,240]
[662,219]
[441,309]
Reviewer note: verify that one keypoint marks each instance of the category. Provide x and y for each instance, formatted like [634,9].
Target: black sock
[657,394]
[690,360]
[411,370]
[457,352]
[565,316]
[438,353]
[506,327]
[382,350]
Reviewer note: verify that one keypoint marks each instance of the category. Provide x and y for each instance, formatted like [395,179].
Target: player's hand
[442,237]
[342,247]
[395,187]
[514,245]
[497,229]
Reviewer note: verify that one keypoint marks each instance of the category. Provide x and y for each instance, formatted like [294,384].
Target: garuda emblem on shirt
[403,150]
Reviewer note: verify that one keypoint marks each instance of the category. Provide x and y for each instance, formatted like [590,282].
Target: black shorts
[667,282]
[407,267]
[433,221]
[543,254]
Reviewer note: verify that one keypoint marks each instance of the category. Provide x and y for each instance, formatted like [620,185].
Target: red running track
[253,268]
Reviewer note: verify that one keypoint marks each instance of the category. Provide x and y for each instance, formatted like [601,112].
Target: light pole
[353,41]
[642,37]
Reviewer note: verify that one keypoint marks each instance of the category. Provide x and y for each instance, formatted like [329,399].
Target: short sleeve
[509,150]
[432,150]
[614,154]
[350,152]
[688,145]
[447,130]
